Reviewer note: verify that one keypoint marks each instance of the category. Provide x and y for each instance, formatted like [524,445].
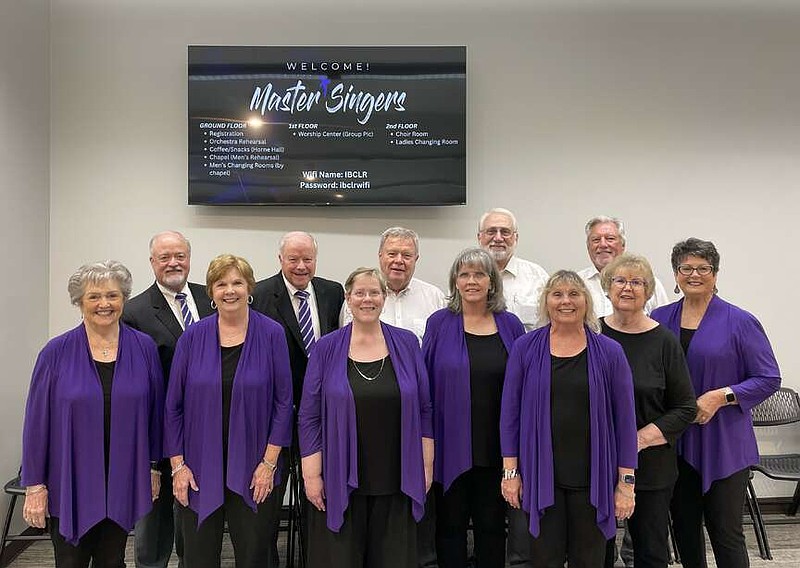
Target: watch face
[629,479]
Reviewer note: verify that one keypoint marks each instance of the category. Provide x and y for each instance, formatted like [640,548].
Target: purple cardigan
[445,351]
[525,422]
[261,408]
[63,441]
[327,417]
[729,348]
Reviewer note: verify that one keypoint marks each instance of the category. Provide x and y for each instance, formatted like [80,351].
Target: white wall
[681,118]
[24,166]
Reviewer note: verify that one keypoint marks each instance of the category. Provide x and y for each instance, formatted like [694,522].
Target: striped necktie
[304,319]
[186,313]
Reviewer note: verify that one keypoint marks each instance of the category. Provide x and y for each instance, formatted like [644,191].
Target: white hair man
[410,301]
[523,280]
[605,240]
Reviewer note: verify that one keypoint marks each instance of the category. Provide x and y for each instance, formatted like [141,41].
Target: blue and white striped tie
[186,313]
[304,319]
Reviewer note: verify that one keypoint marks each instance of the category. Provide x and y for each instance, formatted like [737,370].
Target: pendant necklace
[365,377]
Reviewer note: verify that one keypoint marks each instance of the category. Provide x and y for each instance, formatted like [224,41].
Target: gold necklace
[365,377]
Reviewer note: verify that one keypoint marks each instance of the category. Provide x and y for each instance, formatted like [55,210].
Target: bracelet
[177,468]
[269,464]
[510,474]
[155,472]
[34,489]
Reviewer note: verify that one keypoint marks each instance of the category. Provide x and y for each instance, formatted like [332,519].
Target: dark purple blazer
[261,408]
[729,348]
[445,351]
[327,418]
[63,435]
[525,422]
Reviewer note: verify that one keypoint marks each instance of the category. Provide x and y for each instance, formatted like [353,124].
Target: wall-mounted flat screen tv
[327,125]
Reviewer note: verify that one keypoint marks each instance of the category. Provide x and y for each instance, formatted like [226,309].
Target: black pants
[648,529]
[250,532]
[721,508]
[568,530]
[156,531]
[475,494]
[426,534]
[519,536]
[103,545]
[378,532]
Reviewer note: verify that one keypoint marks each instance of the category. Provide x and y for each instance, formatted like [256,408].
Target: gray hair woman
[471,338]
[93,501]
[664,401]
[733,369]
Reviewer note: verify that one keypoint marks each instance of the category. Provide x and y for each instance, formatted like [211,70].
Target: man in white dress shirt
[410,301]
[523,280]
[605,240]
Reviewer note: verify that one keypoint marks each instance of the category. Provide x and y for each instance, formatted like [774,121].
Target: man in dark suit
[277,298]
[163,311]
[292,296]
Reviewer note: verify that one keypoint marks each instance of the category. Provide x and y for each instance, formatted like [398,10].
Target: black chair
[780,409]
[14,490]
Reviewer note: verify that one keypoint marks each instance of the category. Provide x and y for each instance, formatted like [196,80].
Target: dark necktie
[186,313]
[304,319]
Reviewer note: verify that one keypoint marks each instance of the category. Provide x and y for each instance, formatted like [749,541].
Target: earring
[715,290]
[213,305]
[250,299]
[677,290]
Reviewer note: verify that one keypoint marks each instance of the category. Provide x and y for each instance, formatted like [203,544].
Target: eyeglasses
[702,270]
[504,232]
[361,294]
[166,258]
[621,282]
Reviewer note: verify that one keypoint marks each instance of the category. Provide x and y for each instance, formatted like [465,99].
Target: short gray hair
[475,256]
[157,236]
[292,234]
[600,219]
[498,211]
[695,247]
[96,273]
[572,278]
[399,233]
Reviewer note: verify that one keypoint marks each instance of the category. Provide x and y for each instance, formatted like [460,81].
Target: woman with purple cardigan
[733,369]
[466,346]
[568,430]
[92,432]
[365,438]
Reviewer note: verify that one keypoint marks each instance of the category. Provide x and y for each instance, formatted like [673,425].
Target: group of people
[539,410]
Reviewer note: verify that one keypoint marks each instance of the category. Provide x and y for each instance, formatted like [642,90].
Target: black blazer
[272,299]
[149,313]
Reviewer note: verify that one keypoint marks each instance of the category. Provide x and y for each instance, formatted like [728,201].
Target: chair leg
[795,501]
[675,555]
[6,527]
[758,522]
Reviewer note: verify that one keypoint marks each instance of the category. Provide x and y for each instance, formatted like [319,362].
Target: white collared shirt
[523,282]
[175,305]
[602,305]
[409,308]
[312,304]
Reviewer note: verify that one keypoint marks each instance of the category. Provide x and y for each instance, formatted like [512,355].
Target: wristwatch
[628,478]
[730,396]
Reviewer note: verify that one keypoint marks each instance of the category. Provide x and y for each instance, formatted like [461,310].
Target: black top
[377,425]
[230,360]
[686,338]
[663,395]
[487,367]
[106,372]
[569,417]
